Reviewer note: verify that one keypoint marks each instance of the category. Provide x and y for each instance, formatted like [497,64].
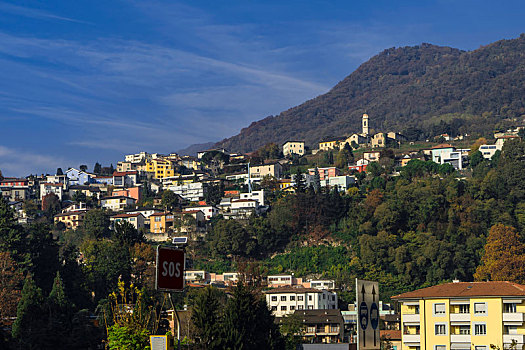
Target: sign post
[367,296]
[169,275]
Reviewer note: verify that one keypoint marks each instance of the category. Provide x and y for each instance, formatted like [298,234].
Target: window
[511,330]
[283,308]
[292,297]
[440,347]
[274,308]
[274,298]
[157,218]
[292,307]
[480,329]
[299,307]
[283,297]
[310,298]
[300,298]
[416,309]
[440,329]
[464,309]
[510,308]
[310,307]
[324,296]
[480,308]
[439,309]
[480,347]
[465,330]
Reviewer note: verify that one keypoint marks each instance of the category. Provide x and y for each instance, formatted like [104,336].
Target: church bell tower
[365,124]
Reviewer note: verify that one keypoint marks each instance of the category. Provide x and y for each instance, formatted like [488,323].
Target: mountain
[194,149]
[426,88]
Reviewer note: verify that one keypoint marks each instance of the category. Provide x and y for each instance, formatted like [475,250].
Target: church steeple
[365,124]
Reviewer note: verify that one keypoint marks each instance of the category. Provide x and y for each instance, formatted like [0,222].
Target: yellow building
[161,168]
[463,316]
[72,219]
[328,144]
[160,222]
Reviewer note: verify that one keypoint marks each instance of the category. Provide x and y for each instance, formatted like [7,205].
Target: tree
[30,316]
[96,224]
[12,236]
[42,255]
[230,238]
[248,324]
[344,157]
[30,208]
[170,200]
[207,315]
[97,169]
[79,196]
[214,194]
[126,234]
[143,265]
[104,262]
[59,171]
[83,168]
[475,146]
[504,257]
[300,185]
[476,158]
[50,205]
[11,279]
[316,184]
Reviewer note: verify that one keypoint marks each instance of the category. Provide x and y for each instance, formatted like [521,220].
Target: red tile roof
[443,145]
[126,215]
[467,289]
[391,334]
[122,173]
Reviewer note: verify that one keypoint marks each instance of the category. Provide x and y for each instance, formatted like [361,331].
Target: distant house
[14,189]
[79,177]
[446,153]
[47,188]
[137,220]
[89,191]
[133,192]
[330,143]
[209,211]
[321,326]
[117,203]
[325,173]
[293,147]
[260,171]
[72,219]
[372,156]
[359,139]
[125,179]
[161,223]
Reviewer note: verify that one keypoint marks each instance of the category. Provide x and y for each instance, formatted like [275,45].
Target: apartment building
[117,203]
[260,171]
[137,220]
[161,168]
[72,220]
[192,191]
[463,316]
[284,301]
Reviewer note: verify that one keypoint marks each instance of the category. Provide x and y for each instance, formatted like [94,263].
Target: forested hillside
[417,87]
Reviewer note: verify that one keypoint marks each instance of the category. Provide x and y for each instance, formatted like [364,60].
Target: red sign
[170,269]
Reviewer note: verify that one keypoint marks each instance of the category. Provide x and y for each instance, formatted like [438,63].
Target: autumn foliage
[504,258]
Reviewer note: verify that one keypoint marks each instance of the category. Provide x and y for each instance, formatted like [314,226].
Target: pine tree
[207,315]
[97,169]
[12,236]
[27,328]
[317,180]
[300,185]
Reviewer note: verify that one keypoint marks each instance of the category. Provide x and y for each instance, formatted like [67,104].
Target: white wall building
[208,210]
[192,191]
[47,188]
[293,147]
[284,301]
[255,195]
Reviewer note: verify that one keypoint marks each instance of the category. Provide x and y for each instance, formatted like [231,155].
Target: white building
[260,171]
[322,284]
[208,210]
[284,301]
[255,195]
[341,183]
[117,203]
[138,157]
[55,188]
[293,147]
[192,191]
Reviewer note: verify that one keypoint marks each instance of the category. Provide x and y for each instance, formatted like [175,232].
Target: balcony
[512,317]
[411,338]
[459,317]
[460,338]
[519,338]
[411,318]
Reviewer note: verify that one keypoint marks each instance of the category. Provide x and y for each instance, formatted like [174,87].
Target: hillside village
[166,196]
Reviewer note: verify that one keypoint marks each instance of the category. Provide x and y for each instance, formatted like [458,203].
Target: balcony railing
[459,317]
[413,318]
[460,338]
[512,317]
[508,338]
[411,338]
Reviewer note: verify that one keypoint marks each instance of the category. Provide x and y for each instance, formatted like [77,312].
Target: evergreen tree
[27,328]
[207,315]
[97,169]
[126,234]
[59,171]
[300,185]
[248,324]
[12,236]
[317,180]
[96,224]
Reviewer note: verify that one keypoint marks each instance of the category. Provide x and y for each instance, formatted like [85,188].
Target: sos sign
[170,269]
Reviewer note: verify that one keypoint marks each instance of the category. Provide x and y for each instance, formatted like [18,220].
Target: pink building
[132,192]
[325,173]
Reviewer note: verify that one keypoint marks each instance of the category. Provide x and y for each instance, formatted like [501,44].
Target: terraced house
[464,315]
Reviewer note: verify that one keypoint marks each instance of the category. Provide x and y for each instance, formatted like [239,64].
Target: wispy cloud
[14,162]
[35,13]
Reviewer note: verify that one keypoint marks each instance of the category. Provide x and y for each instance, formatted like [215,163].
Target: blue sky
[87,81]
